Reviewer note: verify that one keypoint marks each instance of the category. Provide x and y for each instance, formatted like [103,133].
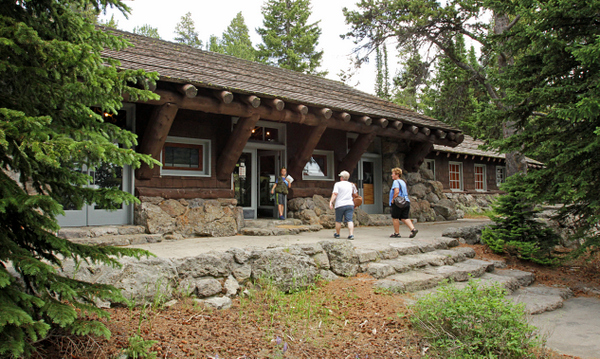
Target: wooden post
[323,113]
[155,136]
[382,122]
[275,103]
[235,146]
[426,131]
[298,162]
[188,90]
[416,156]
[225,96]
[413,129]
[251,100]
[342,116]
[440,134]
[360,146]
[299,108]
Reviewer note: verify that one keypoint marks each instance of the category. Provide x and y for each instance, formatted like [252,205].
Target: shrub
[516,231]
[474,322]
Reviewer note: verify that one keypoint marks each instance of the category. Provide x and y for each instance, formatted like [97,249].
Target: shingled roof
[471,146]
[184,64]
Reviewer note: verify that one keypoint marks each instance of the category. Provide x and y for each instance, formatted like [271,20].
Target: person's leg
[280,210]
[351,228]
[338,227]
[349,218]
[408,222]
[396,223]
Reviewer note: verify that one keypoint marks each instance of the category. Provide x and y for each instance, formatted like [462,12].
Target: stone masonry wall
[190,217]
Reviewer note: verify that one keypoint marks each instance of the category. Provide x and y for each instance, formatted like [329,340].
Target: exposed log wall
[155,135]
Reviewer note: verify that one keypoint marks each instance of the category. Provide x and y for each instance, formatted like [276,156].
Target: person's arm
[332,200]
[396,190]
[273,188]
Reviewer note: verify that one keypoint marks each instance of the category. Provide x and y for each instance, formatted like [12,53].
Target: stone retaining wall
[191,217]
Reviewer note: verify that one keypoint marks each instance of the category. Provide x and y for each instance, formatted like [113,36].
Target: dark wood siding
[468,170]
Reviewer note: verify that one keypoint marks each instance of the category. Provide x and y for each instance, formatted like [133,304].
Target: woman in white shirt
[342,196]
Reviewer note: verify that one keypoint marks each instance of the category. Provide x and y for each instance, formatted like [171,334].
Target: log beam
[360,146]
[342,116]
[292,113]
[323,113]
[460,138]
[188,90]
[298,162]
[426,131]
[381,122]
[440,134]
[235,146]
[155,136]
[251,100]
[415,158]
[412,129]
[365,120]
[451,136]
[274,103]
[225,96]
[396,124]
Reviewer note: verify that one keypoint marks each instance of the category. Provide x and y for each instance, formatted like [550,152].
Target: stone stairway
[276,227]
[419,266]
[109,235]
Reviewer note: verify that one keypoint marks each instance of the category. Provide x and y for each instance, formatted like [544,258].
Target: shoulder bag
[358,200]
[400,201]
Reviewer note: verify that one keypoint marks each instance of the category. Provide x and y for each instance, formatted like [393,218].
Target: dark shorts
[344,214]
[280,198]
[400,213]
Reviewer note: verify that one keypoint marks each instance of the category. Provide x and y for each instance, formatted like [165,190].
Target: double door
[367,177]
[105,176]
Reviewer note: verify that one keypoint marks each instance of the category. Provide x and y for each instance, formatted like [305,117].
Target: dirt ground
[340,319]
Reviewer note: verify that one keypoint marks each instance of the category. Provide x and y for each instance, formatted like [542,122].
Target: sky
[213,17]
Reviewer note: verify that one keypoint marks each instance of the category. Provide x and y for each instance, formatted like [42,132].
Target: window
[500,175]
[320,166]
[480,184]
[455,172]
[182,156]
[430,165]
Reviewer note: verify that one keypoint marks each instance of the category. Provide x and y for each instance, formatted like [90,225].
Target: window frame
[205,160]
[483,179]
[460,176]
[330,176]
[431,160]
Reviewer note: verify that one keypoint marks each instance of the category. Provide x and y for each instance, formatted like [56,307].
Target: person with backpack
[400,204]
[343,198]
[280,189]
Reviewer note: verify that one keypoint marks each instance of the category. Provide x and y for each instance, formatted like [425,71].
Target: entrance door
[367,177]
[105,176]
[269,165]
[244,183]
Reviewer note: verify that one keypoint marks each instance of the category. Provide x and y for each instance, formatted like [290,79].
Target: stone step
[120,240]
[408,282]
[540,299]
[524,278]
[268,222]
[462,271]
[93,232]
[280,230]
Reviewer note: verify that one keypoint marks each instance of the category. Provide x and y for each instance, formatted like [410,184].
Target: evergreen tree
[112,23]
[408,82]
[382,82]
[186,32]
[288,41]
[52,73]
[236,39]
[214,45]
[146,30]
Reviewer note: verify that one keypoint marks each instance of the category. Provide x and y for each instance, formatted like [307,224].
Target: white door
[105,176]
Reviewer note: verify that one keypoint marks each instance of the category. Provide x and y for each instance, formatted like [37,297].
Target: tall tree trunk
[515,161]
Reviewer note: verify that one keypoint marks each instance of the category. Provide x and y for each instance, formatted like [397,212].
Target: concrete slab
[573,329]
[536,303]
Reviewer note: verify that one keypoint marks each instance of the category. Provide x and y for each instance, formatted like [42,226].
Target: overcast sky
[213,17]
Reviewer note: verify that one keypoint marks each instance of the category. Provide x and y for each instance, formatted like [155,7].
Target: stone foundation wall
[190,217]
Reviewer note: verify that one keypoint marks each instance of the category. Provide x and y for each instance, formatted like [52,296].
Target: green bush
[474,322]
[516,231]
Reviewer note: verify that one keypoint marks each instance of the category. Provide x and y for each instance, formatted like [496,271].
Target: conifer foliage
[51,74]
[288,40]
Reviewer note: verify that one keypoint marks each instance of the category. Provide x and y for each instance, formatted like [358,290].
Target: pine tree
[186,32]
[214,44]
[409,81]
[288,41]
[236,39]
[52,73]
[382,82]
[146,30]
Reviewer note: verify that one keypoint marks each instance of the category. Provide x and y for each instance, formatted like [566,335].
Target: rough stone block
[405,247]
[380,270]
[366,255]
[414,281]
[207,287]
[524,278]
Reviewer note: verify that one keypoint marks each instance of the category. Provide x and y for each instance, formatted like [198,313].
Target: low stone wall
[216,276]
[190,217]
[315,211]
[476,202]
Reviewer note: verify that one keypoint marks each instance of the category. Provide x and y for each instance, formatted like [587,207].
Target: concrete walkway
[573,329]
[365,237]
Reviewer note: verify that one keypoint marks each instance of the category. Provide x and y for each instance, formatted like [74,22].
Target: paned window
[320,166]
[430,165]
[500,175]
[182,156]
[455,175]
[480,184]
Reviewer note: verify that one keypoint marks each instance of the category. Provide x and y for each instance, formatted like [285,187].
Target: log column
[155,136]
[359,147]
[235,146]
[303,155]
[416,156]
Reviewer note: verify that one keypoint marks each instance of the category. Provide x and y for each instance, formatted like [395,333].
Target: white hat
[344,174]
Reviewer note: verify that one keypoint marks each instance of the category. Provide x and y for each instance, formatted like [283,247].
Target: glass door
[367,177]
[244,183]
[269,165]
